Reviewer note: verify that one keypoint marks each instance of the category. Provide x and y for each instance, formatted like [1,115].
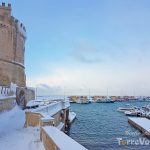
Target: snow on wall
[62,141]
[53,108]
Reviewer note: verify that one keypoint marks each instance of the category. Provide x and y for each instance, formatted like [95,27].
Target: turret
[12,47]
[5,10]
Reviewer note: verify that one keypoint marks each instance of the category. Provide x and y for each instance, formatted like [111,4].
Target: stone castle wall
[12,48]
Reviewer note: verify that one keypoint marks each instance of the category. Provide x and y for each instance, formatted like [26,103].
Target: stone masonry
[12,48]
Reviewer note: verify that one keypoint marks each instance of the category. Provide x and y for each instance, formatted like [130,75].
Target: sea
[99,126]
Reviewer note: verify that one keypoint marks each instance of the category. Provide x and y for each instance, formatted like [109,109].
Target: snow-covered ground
[13,135]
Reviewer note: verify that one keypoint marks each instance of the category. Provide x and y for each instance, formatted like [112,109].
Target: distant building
[79,99]
[12,48]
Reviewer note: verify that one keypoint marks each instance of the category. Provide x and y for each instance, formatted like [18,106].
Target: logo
[139,141]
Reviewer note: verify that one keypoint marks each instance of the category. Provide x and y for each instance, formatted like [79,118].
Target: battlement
[20,25]
[21,28]
[4,6]
[12,47]
[5,10]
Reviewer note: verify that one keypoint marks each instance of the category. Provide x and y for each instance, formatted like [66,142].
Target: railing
[6,91]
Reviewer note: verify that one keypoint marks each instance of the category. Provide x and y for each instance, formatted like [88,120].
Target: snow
[143,122]
[32,103]
[62,141]
[60,126]
[49,109]
[65,104]
[6,97]
[14,136]
[13,87]
[46,117]
[72,116]
[5,90]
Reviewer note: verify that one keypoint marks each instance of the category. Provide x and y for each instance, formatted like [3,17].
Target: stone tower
[12,48]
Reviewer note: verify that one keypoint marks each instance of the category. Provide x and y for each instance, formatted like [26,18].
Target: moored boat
[124,109]
[105,100]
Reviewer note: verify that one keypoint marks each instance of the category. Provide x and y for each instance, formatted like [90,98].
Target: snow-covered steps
[53,139]
[142,124]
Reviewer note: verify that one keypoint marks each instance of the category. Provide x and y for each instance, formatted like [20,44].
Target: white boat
[135,112]
[72,116]
[130,113]
[83,100]
[105,100]
[124,109]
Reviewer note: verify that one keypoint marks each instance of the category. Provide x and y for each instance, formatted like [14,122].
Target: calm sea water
[98,125]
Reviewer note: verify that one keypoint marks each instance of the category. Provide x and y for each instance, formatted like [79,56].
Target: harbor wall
[48,143]
[35,119]
[137,126]
[54,139]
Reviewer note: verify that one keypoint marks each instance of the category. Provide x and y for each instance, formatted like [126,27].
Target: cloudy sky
[77,45]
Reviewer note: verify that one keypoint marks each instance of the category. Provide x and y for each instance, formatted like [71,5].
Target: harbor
[106,99]
[109,124]
[75,76]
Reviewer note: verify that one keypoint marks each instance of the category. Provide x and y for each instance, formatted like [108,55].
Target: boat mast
[64,93]
[107,93]
[89,93]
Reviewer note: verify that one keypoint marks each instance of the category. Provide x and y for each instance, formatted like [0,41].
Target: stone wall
[10,72]
[49,144]
[12,48]
[24,95]
[7,104]
[34,119]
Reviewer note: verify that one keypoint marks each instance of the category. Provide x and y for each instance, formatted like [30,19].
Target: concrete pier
[142,124]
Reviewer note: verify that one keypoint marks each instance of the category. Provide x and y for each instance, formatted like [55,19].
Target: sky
[77,46]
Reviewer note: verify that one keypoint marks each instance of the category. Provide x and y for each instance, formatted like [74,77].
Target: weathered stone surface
[7,104]
[24,95]
[12,47]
